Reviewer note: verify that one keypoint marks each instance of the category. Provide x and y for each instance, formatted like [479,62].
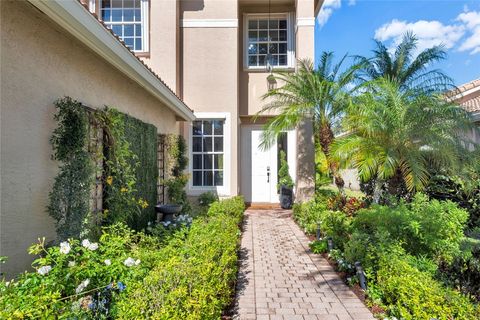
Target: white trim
[290,40]
[74,18]
[223,191]
[306,22]
[145,26]
[209,23]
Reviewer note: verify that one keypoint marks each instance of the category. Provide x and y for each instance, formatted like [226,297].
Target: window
[268,38]
[208,153]
[128,20]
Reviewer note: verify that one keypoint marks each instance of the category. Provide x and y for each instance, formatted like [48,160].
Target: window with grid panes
[128,20]
[208,152]
[259,44]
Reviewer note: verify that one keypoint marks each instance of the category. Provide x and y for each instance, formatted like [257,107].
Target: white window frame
[290,39]
[144,8]
[224,190]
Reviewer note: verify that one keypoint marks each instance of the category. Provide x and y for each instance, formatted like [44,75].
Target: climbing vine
[69,198]
[128,176]
[177,162]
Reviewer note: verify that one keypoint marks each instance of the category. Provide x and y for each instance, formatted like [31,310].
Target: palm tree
[320,93]
[397,134]
[402,67]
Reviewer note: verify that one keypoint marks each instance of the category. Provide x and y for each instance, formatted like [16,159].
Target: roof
[76,19]
[468,96]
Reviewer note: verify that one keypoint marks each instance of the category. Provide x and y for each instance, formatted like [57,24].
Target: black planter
[286,197]
[168,211]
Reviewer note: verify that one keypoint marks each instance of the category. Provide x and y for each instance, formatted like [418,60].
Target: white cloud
[471,20]
[463,34]
[327,9]
[429,33]
[352,2]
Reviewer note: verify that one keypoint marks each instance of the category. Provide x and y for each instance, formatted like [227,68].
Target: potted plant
[285,183]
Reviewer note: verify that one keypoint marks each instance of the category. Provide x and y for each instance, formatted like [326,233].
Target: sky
[350,26]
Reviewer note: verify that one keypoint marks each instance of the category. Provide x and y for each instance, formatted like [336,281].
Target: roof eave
[74,18]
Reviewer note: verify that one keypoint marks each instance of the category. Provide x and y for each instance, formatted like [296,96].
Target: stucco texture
[39,64]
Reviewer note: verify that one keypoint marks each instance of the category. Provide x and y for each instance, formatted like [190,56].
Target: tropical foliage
[411,253]
[319,94]
[398,135]
[405,66]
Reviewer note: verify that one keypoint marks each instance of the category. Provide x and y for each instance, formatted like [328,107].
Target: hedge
[193,280]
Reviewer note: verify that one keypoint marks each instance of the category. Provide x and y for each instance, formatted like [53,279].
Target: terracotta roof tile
[463,95]
[132,52]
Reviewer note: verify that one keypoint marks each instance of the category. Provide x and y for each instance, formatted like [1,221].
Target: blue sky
[349,26]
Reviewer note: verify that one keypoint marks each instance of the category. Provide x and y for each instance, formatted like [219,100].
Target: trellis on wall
[95,148]
[161,168]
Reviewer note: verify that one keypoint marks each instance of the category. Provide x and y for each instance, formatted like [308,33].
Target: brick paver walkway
[280,279]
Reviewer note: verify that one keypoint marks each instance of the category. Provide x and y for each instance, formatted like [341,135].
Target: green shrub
[309,214]
[430,228]
[318,246]
[207,198]
[53,290]
[284,178]
[194,280]
[193,273]
[413,294]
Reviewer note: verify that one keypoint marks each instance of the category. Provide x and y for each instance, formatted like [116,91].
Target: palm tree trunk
[325,139]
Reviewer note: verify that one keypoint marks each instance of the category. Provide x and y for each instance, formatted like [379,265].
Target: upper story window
[268,38]
[128,19]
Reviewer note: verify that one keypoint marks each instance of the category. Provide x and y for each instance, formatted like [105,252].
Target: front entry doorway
[259,167]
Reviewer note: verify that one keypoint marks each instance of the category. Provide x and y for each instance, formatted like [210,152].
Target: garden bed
[401,249]
[187,273]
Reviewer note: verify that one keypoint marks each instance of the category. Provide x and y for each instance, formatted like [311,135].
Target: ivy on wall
[129,174]
[69,198]
[142,139]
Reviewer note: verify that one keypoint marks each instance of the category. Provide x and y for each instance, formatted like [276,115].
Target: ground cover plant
[187,274]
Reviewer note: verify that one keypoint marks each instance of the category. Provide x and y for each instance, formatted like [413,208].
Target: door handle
[268,174]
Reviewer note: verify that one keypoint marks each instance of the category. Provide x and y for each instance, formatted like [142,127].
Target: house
[214,53]
[212,56]
[468,97]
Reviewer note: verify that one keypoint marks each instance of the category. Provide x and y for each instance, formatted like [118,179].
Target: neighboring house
[468,96]
[212,54]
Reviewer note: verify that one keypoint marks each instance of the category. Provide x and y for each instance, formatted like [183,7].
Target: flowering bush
[78,277]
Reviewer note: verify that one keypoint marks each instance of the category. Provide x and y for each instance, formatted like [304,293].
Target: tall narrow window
[208,153]
[265,37]
[128,19]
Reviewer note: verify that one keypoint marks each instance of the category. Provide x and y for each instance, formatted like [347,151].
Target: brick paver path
[280,279]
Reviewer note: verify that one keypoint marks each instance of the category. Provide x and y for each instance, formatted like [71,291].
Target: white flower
[64,247]
[93,246]
[82,286]
[44,270]
[137,262]
[129,262]
[71,263]
[108,262]
[85,243]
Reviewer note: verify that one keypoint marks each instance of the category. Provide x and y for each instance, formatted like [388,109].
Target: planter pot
[286,197]
[168,211]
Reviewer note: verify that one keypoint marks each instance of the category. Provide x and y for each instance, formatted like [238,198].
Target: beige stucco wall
[39,64]
[164,55]
[210,69]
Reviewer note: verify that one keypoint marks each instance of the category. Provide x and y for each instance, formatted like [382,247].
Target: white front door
[258,168]
[264,168]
